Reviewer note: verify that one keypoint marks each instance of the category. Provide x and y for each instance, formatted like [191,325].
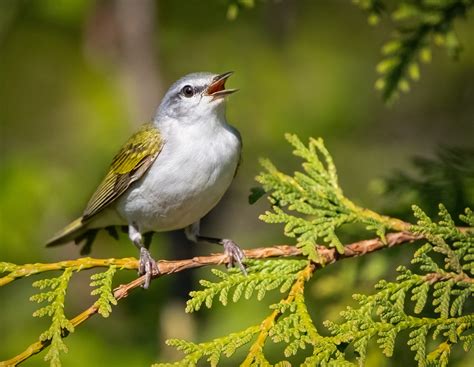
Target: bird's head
[196,97]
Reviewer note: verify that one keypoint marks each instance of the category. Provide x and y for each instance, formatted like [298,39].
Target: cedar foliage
[429,300]
[418,26]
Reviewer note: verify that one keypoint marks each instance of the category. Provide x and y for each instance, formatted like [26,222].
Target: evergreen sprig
[419,25]
[213,350]
[458,255]
[315,203]
[429,301]
[55,296]
[60,324]
[296,330]
[103,282]
[385,314]
[262,276]
[297,321]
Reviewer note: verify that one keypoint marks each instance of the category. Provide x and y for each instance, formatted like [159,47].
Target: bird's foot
[235,254]
[147,266]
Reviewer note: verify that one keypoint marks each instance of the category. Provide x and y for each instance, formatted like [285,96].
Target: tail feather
[69,233]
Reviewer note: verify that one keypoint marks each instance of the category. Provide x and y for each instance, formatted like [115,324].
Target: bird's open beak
[217,88]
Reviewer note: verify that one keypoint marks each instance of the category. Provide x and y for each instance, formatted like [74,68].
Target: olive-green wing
[130,163]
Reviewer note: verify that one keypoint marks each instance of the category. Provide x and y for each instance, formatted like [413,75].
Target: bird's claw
[147,266]
[235,254]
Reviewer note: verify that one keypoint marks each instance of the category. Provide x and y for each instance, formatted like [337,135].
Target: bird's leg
[147,265]
[231,249]
[147,238]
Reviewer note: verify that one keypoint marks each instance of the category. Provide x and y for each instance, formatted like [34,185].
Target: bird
[169,174]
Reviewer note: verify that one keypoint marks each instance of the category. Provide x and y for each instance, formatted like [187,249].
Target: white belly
[188,178]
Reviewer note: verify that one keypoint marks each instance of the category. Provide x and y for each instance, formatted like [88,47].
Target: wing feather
[129,165]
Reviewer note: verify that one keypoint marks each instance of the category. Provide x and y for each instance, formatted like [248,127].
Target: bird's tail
[69,233]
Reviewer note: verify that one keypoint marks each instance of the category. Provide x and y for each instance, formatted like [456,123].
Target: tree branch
[329,255]
[25,270]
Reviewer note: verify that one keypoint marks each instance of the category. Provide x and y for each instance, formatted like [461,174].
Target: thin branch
[83,263]
[436,277]
[329,255]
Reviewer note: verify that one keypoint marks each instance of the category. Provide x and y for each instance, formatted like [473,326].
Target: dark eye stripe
[199,89]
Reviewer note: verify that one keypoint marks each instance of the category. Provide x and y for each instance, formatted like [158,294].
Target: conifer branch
[20,271]
[169,267]
[330,255]
[312,206]
[418,26]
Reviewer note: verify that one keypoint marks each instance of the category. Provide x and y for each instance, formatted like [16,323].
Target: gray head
[195,97]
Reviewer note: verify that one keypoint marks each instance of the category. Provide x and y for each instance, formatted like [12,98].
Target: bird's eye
[187,91]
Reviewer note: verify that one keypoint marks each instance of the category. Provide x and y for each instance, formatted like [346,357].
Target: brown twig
[330,255]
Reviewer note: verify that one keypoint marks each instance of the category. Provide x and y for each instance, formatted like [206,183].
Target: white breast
[189,177]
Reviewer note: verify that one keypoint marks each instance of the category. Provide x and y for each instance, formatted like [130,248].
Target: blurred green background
[78,76]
